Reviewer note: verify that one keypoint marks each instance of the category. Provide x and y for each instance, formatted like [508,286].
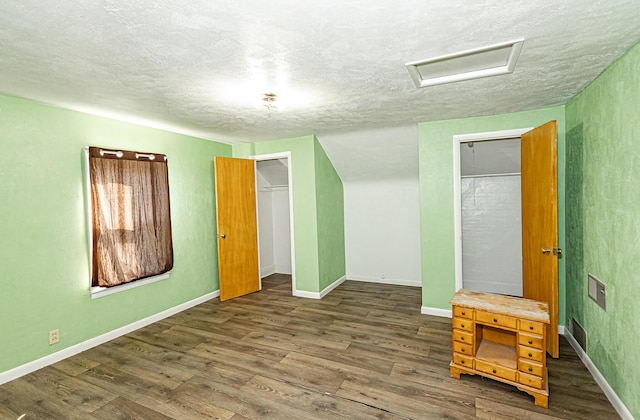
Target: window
[130,225]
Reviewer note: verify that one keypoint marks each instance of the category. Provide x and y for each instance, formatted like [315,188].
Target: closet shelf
[490,175]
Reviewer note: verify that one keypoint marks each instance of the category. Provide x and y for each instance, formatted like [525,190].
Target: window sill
[98,292]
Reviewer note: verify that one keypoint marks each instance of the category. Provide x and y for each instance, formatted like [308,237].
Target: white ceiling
[201,66]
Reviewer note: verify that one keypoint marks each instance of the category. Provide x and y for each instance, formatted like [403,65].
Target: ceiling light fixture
[472,64]
[270,101]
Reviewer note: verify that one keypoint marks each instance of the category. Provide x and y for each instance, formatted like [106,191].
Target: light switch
[597,292]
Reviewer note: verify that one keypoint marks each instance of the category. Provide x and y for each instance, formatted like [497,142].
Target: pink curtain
[131,217]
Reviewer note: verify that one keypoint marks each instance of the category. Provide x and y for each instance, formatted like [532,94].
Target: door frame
[457,185]
[287,156]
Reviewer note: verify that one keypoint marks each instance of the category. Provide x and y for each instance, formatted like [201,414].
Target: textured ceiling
[200,67]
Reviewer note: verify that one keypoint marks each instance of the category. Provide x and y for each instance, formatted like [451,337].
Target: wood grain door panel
[238,269]
[540,223]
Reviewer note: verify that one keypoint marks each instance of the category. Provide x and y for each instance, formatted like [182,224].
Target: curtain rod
[120,154]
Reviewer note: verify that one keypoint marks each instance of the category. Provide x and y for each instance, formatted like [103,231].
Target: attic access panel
[473,64]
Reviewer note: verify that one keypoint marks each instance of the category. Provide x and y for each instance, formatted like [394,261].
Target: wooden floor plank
[123,408]
[417,405]
[75,365]
[490,410]
[316,405]
[363,351]
[313,377]
[21,396]
[70,389]
[246,401]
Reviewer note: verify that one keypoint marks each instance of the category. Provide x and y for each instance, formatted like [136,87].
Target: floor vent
[579,334]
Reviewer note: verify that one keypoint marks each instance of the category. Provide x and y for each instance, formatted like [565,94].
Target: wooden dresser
[502,338]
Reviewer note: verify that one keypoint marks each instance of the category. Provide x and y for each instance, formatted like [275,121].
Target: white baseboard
[332,286]
[397,282]
[308,295]
[616,402]
[283,268]
[444,313]
[273,269]
[321,294]
[50,359]
[267,271]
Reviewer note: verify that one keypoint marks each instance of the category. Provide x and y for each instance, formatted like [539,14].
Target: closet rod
[490,175]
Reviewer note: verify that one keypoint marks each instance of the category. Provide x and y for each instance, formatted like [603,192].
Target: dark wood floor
[364,351]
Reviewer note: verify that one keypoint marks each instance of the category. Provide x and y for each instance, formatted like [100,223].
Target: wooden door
[540,223]
[238,270]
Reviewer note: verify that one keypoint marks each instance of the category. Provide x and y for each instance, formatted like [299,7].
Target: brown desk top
[507,305]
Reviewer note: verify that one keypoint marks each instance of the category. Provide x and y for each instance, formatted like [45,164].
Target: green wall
[313,262]
[603,194]
[44,253]
[330,205]
[305,231]
[436,196]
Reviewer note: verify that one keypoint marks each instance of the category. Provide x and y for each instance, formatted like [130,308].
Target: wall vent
[579,334]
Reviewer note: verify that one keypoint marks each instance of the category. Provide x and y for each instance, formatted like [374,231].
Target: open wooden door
[236,221]
[540,223]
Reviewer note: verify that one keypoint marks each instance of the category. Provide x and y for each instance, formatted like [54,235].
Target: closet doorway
[487,212]
[275,215]
[539,218]
[491,216]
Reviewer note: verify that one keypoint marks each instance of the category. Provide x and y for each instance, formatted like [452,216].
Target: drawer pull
[530,354]
[530,369]
[495,319]
[463,313]
[531,327]
[462,349]
[494,371]
[530,341]
[462,361]
[461,325]
[462,339]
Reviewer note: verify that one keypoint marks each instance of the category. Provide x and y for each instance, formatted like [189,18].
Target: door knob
[222,235]
[546,251]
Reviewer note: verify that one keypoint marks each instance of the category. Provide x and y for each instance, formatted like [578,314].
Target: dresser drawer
[530,353]
[463,348]
[498,320]
[462,336]
[528,340]
[531,327]
[496,370]
[462,324]
[460,359]
[530,380]
[530,368]
[462,312]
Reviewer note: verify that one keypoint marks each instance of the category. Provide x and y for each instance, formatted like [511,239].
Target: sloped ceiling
[371,155]
[201,67]
[274,171]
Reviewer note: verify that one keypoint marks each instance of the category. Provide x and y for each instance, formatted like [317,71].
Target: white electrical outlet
[54,336]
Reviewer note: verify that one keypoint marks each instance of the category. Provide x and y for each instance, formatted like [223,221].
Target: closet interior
[274,225]
[491,216]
